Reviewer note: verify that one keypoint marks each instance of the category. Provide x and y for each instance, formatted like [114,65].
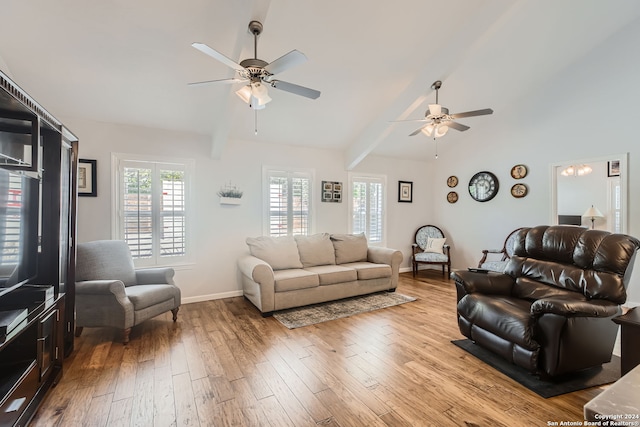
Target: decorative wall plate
[452,197]
[519,171]
[519,190]
[452,181]
[483,186]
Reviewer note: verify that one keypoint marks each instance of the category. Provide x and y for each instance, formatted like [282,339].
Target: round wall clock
[519,171]
[483,186]
[452,197]
[519,190]
[452,181]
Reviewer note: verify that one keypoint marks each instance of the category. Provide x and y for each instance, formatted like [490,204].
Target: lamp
[255,94]
[593,213]
[576,170]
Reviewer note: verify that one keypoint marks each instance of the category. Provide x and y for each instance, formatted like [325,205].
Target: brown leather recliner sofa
[550,311]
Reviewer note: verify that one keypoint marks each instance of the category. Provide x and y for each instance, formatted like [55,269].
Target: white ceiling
[129,61]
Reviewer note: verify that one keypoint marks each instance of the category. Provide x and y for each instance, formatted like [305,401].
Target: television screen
[569,220]
[18,229]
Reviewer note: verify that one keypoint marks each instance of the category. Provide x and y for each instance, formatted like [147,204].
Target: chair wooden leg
[125,336]
[175,313]
[78,330]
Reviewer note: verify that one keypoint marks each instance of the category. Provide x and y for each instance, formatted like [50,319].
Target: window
[367,206]
[151,209]
[287,202]
[615,204]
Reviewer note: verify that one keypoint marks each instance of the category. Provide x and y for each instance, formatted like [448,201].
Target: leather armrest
[151,276]
[468,282]
[575,308]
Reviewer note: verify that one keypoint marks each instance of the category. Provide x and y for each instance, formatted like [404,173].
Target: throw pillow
[279,252]
[315,250]
[434,245]
[349,247]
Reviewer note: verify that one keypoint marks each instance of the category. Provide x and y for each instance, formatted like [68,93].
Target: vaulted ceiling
[129,62]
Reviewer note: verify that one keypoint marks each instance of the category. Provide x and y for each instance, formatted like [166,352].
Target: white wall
[220,230]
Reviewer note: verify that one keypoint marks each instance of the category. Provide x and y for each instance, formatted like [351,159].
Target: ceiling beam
[438,67]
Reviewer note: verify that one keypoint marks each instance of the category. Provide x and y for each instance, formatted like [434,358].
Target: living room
[579,108]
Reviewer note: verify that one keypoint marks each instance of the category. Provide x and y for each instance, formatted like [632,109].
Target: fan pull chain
[436,147]
[255,121]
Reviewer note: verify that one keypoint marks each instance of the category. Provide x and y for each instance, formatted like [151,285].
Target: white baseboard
[210,297]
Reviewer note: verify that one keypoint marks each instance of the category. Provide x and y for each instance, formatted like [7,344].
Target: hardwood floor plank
[186,409]
[223,364]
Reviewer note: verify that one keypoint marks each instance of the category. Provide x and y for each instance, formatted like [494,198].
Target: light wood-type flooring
[222,364]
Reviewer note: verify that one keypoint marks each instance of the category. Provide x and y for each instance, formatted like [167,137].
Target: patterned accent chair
[429,248]
[110,292]
[499,258]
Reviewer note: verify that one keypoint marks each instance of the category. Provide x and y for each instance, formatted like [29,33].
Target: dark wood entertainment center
[37,331]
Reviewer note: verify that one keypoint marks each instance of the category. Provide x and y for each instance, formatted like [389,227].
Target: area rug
[318,313]
[605,374]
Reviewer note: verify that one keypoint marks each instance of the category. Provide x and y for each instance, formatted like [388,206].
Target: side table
[630,339]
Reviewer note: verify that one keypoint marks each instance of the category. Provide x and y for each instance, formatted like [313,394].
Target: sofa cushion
[349,247]
[279,252]
[370,270]
[294,279]
[332,274]
[507,317]
[316,249]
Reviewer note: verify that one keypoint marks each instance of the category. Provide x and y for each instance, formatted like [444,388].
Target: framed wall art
[331,191]
[613,168]
[405,191]
[87,181]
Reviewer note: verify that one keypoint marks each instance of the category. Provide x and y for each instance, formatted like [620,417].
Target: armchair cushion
[431,257]
[105,259]
[143,296]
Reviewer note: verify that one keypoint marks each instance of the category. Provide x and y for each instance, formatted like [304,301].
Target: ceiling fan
[439,120]
[258,73]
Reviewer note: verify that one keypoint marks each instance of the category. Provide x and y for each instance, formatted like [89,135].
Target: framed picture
[613,168]
[87,182]
[332,191]
[405,191]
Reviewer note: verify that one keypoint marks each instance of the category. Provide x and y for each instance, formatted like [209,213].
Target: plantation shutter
[289,203]
[367,211]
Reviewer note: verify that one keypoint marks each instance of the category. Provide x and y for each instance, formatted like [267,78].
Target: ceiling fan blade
[298,90]
[229,81]
[417,131]
[457,126]
[472,113]
[217,55]
[286,61]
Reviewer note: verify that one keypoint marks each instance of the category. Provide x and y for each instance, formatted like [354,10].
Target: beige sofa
[286,272]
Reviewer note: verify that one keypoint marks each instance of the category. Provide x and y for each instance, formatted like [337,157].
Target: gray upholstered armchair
[110,292]
[429,248]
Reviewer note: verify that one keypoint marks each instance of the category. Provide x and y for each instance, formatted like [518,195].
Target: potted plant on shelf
[230,195]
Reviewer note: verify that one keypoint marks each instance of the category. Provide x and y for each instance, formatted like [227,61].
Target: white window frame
[369,178]
[118,162]
[267,173]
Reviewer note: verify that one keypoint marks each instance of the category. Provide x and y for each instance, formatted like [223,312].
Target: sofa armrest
[256,269]
[468,282]
[381,255]
[575,308]
[151,276]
